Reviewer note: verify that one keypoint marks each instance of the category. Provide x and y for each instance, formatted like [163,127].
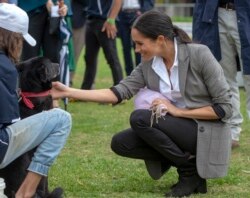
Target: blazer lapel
[183,59]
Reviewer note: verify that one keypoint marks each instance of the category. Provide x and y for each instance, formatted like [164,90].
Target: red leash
[26,95]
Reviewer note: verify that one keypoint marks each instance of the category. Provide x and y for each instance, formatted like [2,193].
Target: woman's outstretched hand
[59,90]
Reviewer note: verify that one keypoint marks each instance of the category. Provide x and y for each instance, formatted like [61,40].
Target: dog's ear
[43,74]
[48,72]
[20,67]
[27,64]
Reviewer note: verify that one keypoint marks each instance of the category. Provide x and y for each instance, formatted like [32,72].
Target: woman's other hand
[167,105]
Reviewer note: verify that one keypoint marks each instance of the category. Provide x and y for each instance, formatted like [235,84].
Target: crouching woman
[188,128]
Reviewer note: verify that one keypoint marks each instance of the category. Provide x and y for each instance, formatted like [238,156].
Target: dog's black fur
[35,75]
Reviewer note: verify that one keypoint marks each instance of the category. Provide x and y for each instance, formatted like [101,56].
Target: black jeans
[171,139]
[95,39]
[4,143]
[124,24]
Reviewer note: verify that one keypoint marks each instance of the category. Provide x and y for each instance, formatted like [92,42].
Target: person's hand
[63,10]
[138,13]
[167,105]
[110,29]
[49,4]
[59,90]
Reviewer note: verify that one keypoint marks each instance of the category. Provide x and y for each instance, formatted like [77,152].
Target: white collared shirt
[169,84]
[130,4]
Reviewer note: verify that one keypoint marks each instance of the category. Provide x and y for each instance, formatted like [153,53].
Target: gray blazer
[202,83]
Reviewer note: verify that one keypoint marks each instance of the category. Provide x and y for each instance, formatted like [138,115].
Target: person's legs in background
[37,21]
[110,51]
[51,45]
[78,43]
[246,80]
[92,47]
[229,41]
[78,20]
[124,26]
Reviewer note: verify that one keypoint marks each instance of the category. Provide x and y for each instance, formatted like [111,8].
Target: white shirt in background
[130,4]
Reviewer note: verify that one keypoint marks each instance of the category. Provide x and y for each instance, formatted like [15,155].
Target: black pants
[95,39]
[49,45]
[172,139]
[124,25]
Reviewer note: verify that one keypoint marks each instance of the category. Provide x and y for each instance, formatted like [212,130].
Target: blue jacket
[9,108]
[206,31]
[31,5]
[99,9]
[8,91]
[146,5]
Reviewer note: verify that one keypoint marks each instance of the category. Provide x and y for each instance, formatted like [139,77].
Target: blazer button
[201,129]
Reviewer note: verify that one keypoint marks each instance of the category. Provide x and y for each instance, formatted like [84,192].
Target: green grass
[88,168]
[182,19]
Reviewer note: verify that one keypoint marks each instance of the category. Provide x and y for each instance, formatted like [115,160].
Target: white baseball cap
[14,19]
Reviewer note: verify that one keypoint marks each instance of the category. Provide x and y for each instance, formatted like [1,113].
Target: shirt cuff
[219,110]
[117,94]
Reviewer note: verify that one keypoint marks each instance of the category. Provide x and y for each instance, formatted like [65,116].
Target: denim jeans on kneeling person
[48,131]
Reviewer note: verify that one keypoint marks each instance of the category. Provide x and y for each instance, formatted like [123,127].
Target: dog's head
[35,81]
[36,74]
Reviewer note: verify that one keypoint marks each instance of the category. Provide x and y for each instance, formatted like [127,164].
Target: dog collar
[26,95]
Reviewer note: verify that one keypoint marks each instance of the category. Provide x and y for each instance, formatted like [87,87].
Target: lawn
[87,167]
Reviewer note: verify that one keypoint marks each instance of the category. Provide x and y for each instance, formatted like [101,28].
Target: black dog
[35,81]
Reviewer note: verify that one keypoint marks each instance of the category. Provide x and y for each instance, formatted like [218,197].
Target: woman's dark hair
[154,23]
[11,44]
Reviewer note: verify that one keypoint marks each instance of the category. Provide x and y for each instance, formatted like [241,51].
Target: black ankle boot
[188,185]
[189,181]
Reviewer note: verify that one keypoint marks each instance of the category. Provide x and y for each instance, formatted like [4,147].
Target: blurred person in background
[78,19]
[101,33]
[131,9]
[224,26]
